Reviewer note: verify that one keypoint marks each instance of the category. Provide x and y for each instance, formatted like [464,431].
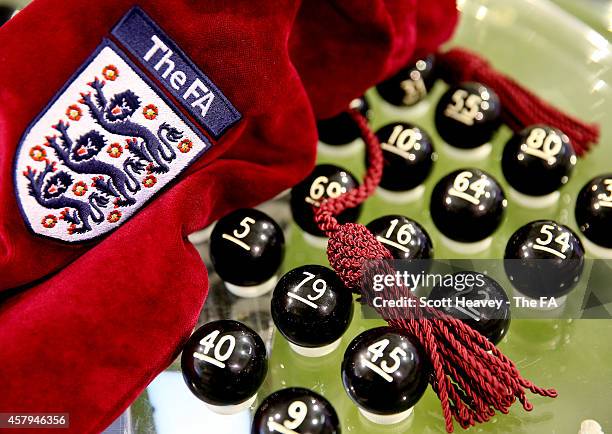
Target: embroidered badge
[112,138]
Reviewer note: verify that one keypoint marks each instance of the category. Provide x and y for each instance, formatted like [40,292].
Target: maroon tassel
[472,378]
[520,107]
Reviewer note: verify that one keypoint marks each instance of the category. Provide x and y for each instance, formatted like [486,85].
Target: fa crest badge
[113,137]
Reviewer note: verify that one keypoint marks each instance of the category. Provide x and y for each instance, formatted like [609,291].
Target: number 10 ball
[385,372]
[224,363]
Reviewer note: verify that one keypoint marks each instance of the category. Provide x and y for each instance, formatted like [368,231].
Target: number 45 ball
[385,372]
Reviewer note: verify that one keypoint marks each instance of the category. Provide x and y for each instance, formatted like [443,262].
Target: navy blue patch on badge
[167,63]
[108,142]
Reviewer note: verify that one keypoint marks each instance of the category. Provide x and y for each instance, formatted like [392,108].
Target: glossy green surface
[568,64]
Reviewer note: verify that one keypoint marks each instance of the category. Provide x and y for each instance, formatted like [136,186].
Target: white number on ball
[463,183]
[543,145]
[465,107]
[402,237]
[322,187]
[297,411]
[377,350]
[415,90]
[562,240]
[318,286]
[606,199]
[221,351]
[237,237]
[402,141]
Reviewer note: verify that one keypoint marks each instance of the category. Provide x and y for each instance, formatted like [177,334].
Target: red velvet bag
[135,127]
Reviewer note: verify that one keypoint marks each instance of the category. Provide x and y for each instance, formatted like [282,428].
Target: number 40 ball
[224,363]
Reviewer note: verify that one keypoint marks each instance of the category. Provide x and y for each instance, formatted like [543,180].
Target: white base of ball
[595,249]
[386,419]
[232,409]
[474,154]
[348,150]
[315,352]
[535,202]
[252,291]
[466,248]
[404,113]
[560,301]
[401,196]
[315,241]
[590,426]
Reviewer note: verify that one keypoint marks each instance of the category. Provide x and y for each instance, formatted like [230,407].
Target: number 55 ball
[385,372]
[224,363]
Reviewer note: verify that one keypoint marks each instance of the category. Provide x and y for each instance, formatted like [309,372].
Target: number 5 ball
[295,411]
[224,363]
[385,372]
[312,308]
[247,248]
